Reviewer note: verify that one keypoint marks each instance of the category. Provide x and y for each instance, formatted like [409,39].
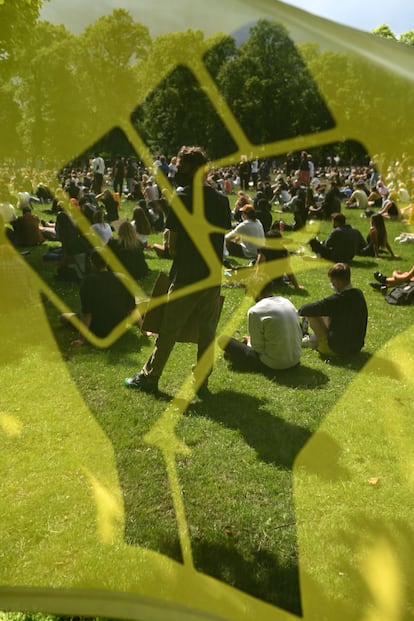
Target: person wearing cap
[245,239]
[275,336]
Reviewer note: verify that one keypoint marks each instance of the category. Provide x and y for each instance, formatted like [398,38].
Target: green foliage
[407,37]
[269,88]
[384,31]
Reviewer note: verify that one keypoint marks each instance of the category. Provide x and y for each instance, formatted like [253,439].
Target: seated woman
[141,224]
[128,250]
[111,205]
[241,200]
[377,239]
[102,228]
[390,208]
[398,278]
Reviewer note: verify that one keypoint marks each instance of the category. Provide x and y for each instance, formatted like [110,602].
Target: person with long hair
[377,239]
[128,250]
[141,225]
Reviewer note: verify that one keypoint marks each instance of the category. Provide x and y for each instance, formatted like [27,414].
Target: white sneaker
[310,340]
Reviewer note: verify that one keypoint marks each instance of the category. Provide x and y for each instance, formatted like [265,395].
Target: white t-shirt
[252,229]
[275,332]
[98,165]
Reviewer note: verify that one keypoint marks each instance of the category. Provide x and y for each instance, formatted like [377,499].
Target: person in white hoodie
[275,336]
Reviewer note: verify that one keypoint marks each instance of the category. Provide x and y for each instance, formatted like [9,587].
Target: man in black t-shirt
[339,322]
[105,300]
[196,245]
[342,244]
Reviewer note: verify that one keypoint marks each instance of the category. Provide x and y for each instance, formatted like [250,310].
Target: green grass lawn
[255,516]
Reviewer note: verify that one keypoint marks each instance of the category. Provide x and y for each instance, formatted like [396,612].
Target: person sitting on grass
[342,244]
[274,258]
[377,239]
[339,321]
[275,336]
[398,278]
[129,251]
[105,300]
[244,240]
[26,229]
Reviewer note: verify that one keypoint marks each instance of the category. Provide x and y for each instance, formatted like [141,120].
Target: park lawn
[254,520]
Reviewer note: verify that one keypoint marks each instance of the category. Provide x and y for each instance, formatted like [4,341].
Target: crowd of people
[86,207]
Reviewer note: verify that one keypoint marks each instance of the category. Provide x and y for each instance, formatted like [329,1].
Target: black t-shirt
[105,297]
[189,266]
[348,317]
[132,259]
[345,242]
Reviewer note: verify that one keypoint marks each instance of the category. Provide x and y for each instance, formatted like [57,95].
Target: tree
[269,88]
[407,37]
[384,31]
[17,19]
[178,110]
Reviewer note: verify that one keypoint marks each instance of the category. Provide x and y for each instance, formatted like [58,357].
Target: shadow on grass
[266,573]
[261,575]
[300,376]
[355,363]
[275,440]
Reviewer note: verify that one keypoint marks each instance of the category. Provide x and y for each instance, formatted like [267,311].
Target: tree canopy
[61,92]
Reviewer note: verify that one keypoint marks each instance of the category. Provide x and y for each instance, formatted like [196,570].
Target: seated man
[358,198]
[275,336]
[105,300]
[248,236]
[342,244]
[26,229]
[339,322]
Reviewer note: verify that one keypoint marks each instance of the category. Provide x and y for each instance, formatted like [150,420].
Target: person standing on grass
[339,322]
[189,267]
[98,170]
[275,336]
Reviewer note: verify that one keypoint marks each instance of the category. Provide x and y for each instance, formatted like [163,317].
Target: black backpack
[403,295]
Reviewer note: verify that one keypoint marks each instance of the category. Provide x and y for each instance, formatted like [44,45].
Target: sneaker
[381,278]
[309,341]
[140,381]
[378,287]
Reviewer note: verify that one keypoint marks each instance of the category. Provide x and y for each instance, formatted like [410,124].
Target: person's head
[26,210]
[99,216]
[127,235]
[248,212]
[340,276]
[97,261]
[141,221]
[189,160]
[259,286]
[338,219]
